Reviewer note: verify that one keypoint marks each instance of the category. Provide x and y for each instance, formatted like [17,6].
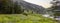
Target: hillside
[33,7]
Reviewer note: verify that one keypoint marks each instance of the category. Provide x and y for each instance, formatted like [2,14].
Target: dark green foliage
[10,7]
[25,14]
[55,8]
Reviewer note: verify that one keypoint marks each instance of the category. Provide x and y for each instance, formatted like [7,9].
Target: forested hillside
[10,7]
[33,7]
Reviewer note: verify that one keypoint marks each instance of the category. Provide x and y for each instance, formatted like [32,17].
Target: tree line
[10,7]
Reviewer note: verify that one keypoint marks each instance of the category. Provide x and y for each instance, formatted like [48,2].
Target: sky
[44,3]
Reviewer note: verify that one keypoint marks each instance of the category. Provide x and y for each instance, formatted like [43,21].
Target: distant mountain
[34,7]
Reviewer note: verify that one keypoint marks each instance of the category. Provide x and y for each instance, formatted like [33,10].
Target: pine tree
[55,8]
[4,6]
[10,7]
[17,8]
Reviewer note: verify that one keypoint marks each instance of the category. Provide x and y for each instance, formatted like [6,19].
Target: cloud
[44,3]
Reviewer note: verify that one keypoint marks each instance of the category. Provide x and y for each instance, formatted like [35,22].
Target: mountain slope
[34,7]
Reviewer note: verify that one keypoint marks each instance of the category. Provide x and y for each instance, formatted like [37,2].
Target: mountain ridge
[34,7]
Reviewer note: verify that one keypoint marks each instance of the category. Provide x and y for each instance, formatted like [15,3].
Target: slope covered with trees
[33,7]
[9,7]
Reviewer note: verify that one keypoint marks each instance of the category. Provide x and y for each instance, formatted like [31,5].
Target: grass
[21,18]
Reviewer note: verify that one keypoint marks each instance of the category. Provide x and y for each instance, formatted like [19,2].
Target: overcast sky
[44,3]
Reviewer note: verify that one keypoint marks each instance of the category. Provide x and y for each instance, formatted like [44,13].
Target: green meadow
[25,18]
